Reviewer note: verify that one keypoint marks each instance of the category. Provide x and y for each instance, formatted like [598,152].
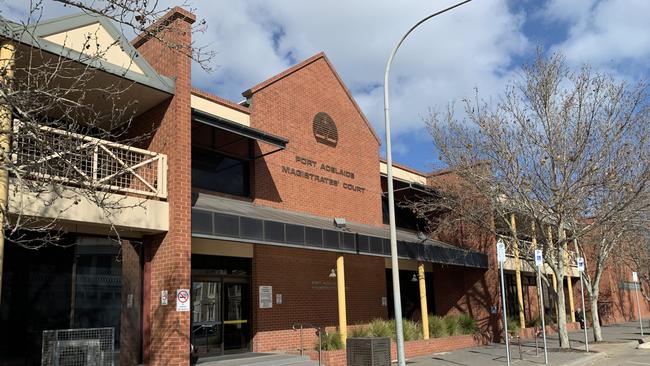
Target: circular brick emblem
[325,130]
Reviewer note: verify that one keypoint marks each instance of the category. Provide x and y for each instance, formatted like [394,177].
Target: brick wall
[287,108]
[618,303]
[167,256]
[465,290]
[309,295]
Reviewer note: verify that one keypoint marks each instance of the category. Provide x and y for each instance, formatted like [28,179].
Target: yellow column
[7,59]
[515,249]
[340,286]
[568,282]
[423,301]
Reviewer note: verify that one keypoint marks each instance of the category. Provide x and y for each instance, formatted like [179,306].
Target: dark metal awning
[227,219]
[239,129]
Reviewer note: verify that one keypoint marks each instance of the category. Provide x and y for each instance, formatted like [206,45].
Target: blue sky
[479,45]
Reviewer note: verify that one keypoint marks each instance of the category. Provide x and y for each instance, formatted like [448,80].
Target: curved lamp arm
[391,197]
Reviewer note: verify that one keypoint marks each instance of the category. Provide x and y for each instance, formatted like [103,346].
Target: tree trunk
[595,318]
[561,314]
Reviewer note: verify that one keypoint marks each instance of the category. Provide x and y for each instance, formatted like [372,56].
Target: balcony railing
[526,252]
[47,153]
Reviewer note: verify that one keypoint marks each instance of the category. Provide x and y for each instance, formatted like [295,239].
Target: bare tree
[566,150]
[66,118]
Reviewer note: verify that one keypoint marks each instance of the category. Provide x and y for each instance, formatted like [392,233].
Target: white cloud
[443,60]
[612,34]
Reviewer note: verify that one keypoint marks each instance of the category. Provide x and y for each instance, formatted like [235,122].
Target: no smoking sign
[182,300]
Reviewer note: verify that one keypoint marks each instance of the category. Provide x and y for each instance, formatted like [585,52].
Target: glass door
[236,316]
[207,325]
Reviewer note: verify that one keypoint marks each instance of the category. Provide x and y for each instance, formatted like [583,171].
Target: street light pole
[397,302]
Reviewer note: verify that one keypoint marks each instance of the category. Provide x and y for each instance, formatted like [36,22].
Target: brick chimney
[167,262]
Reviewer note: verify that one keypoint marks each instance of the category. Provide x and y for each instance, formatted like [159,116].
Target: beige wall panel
[100,42]
[72,207]
[409,265]
[222,248]
[208,106]
[403,174]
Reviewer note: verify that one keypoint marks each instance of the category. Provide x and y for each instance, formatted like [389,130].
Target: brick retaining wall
[411,348]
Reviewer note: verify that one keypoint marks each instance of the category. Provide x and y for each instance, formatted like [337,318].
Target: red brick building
[257,203]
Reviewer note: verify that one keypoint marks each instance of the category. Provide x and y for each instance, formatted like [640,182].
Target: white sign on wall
[163,297]
[182,299]
[501,251]
[635,277]
[539,259]
[581,264]
[266,297]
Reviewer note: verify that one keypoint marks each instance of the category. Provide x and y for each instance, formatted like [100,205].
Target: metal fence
[53,154]
[78,347]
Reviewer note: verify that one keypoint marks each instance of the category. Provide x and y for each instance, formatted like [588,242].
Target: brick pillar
[131,317]
[166,338]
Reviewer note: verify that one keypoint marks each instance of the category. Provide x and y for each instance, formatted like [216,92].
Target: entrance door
[220,315]
[207,325]
[236,316]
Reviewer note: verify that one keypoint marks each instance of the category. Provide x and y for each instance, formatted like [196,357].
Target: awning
[228,219]
[239,129]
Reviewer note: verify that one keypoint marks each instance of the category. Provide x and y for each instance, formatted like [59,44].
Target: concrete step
[261,360]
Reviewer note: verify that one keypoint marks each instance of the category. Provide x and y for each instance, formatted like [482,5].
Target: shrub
[467,324]
[513,326]
[452,325]
[534,323]
[330,341]
[412,330]
[381,328]
[360,332]
[437,326]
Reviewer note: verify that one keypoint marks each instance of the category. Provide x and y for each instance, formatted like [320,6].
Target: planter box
[411,348]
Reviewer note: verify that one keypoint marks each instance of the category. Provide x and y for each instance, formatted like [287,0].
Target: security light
[332,273]
[340,222]
[414,278]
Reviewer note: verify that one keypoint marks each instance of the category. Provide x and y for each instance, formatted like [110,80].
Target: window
[91,283]
[220,161]
[220,173]
[405,218]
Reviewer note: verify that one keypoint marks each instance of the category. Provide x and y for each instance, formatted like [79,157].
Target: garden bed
[411,348]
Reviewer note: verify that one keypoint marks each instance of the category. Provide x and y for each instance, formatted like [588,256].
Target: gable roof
[43,35]
[321,55]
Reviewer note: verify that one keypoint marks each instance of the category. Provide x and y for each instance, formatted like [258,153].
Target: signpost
[539,262]
[637,288]
[501,258]
[581,270]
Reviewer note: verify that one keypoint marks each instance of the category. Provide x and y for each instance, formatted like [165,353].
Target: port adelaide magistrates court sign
[325,132]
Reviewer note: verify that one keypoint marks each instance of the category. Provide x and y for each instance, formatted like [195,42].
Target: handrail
[319,331]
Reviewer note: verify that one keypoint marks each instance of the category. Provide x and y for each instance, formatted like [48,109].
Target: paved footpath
[621,342]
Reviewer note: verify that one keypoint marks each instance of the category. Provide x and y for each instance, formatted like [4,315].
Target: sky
[478,46]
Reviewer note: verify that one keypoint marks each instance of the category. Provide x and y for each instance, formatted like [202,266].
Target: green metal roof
[33,35]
